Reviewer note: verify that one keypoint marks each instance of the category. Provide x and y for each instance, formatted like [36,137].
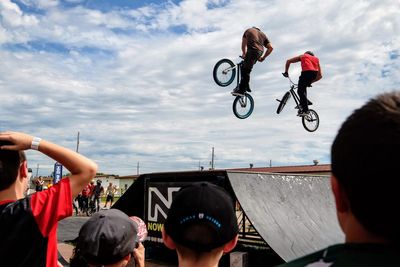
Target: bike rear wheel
[282,102]
[224,72]
[311,121]
[243,106]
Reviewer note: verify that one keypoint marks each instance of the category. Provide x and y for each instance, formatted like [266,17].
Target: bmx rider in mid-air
[253,43]
[310,73]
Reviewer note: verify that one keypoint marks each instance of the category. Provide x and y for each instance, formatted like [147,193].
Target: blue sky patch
[57,48]
[220,4]
[394,54]
[108,5]
[179,29]
[29,8]
[37,46]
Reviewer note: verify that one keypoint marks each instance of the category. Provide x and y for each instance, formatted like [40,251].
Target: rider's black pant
[305,80]
[249,60]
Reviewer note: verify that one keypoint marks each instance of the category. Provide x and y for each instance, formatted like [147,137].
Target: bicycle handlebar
[286,75]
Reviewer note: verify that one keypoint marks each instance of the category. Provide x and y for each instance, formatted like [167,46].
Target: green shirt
[350,255]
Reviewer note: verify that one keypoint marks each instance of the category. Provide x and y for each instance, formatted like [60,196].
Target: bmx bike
[224,74]
[311,120]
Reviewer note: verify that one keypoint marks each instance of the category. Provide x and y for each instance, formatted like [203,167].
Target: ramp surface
[294,214]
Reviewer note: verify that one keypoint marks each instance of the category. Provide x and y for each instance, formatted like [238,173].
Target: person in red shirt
[29,223]
[310,73]
[85,198]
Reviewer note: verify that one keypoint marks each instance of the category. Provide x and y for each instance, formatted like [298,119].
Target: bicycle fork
[243,101]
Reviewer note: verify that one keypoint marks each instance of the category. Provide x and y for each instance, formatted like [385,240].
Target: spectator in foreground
[201,225]
[109,238]
[365,183]
[29,224]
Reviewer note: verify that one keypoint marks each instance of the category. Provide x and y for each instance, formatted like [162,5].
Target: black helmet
[98,181]
[310,53]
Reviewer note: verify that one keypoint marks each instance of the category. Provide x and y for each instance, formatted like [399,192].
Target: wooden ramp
[295,215]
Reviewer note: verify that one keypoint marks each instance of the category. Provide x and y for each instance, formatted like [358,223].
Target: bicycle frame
[310,120]
[242,105]
[296,98]
[225,71]
[237,66]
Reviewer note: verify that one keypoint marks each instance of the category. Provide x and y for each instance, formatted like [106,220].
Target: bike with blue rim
[224,74]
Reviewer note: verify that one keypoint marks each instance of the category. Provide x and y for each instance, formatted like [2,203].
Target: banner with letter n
[57,172]
[158,199]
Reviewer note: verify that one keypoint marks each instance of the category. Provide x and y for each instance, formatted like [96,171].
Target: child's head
[201,218]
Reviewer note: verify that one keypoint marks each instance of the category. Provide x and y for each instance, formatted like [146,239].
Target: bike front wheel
[282,102]
[243,106]
[224,72]
[310,121]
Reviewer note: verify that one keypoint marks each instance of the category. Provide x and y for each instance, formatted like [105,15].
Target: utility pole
[212,159]
[37,170]
[77,143]
[137,168]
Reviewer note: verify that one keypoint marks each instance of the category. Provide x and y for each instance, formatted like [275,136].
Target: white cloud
[140,90]
[13,17]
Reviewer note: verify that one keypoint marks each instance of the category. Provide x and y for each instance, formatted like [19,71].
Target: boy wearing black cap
[109,238]
[201,225]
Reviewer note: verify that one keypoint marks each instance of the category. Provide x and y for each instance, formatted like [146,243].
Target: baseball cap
[202,217]
[107,237]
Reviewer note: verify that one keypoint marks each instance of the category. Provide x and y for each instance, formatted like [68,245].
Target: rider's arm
[82,169]
[319,75]
[244,46]
[290,61]
[267,52]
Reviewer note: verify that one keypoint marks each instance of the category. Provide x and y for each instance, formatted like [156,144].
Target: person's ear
[23,169]
[231,244]
[127,258]
[341,201]
[168,242]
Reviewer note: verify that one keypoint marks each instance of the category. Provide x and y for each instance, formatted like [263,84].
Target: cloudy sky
[134,78]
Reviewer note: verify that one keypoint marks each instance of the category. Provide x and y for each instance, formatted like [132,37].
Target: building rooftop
[302,169]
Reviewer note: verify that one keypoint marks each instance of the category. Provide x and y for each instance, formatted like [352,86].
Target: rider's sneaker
[248,89]
[303,114]
[237,92]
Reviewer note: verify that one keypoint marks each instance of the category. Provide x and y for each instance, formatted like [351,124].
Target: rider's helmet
[98,181]
[310,53]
